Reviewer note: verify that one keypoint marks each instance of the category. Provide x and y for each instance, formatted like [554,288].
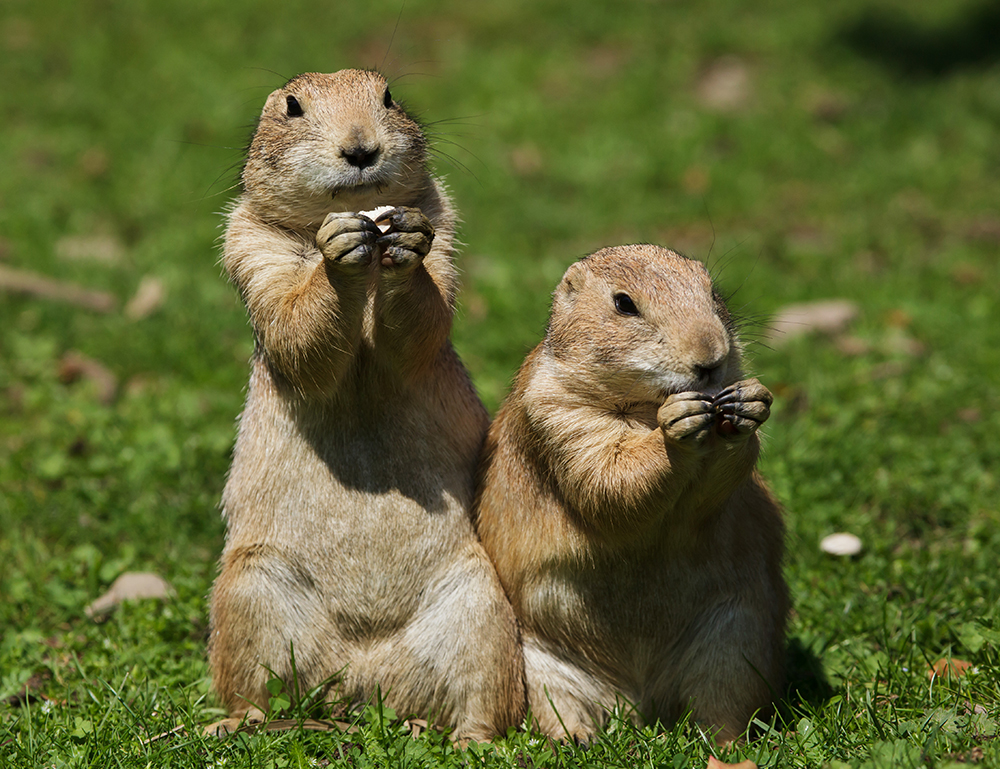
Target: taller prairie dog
[349,538]
[619,501]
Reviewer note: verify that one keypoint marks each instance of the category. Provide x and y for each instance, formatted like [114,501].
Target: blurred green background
[804,151]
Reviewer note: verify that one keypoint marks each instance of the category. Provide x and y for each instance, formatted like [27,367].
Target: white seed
[841,543]
[375,213]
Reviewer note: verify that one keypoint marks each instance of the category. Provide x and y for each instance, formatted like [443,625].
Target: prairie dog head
[336,142]
[637,323]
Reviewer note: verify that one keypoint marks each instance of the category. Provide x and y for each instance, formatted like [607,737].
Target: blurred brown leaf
[714,763]
[74,366]
[29,693]
[94,248]
[130,586]
[725,85]
[148,298]
[33,284]
[830,316]
[946,667]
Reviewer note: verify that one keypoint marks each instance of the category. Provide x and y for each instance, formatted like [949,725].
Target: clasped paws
[689,418]
[353,239]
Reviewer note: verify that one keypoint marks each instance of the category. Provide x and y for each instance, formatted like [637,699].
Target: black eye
[625,305]
[294,108]
[387,99]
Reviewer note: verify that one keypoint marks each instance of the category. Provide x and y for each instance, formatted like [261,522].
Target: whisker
[711,247]
[455,163]
[284,78]
[392,38]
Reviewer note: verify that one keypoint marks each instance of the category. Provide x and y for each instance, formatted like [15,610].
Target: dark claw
[406,220]
[735,394]
[728,396]
[356,255]
[392,251]
[415,242]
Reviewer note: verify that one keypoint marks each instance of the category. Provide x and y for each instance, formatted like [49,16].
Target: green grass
[852,169]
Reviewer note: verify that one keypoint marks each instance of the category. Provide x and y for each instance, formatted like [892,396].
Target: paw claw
[686,417]
[347,238]
[741,408]
[408,238]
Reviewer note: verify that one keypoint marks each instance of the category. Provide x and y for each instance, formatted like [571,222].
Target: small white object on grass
[841,543]
[375,213]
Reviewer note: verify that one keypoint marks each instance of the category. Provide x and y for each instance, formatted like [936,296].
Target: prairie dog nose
[711,356]
[360,155]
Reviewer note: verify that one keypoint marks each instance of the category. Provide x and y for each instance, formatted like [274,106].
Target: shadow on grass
[806,681]
[913,50]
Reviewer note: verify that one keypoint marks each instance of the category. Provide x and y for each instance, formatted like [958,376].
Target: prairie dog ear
[564,297]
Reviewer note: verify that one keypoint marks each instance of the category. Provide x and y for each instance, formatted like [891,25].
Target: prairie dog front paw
[407,239]
[686,417]
[347,238]
[741,408]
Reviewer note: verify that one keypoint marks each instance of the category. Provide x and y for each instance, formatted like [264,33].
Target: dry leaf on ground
[73,367]
[725,85]
[148,298]
[132,585]
[33,284]
[163,735]
[29,693]
[830,316]
[714,763]
[952,667]
[94,248]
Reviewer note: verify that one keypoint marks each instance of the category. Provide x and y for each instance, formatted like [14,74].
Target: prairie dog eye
[294,109]
[387,99]
[625,305]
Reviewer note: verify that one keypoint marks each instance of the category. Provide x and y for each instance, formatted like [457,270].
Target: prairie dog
[349,538]
[619,502]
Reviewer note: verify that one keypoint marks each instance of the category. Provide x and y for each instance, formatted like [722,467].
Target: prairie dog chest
[643,598]
[348,472]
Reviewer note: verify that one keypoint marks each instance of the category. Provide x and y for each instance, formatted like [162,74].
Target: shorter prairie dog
[349,539]
[619,502]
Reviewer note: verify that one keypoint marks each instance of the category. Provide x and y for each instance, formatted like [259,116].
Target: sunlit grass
[831,168]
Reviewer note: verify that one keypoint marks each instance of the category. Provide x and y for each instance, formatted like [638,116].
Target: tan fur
[619,502]
[349,539]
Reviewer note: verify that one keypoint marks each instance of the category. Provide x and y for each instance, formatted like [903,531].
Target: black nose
[709,372]
[360,156]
